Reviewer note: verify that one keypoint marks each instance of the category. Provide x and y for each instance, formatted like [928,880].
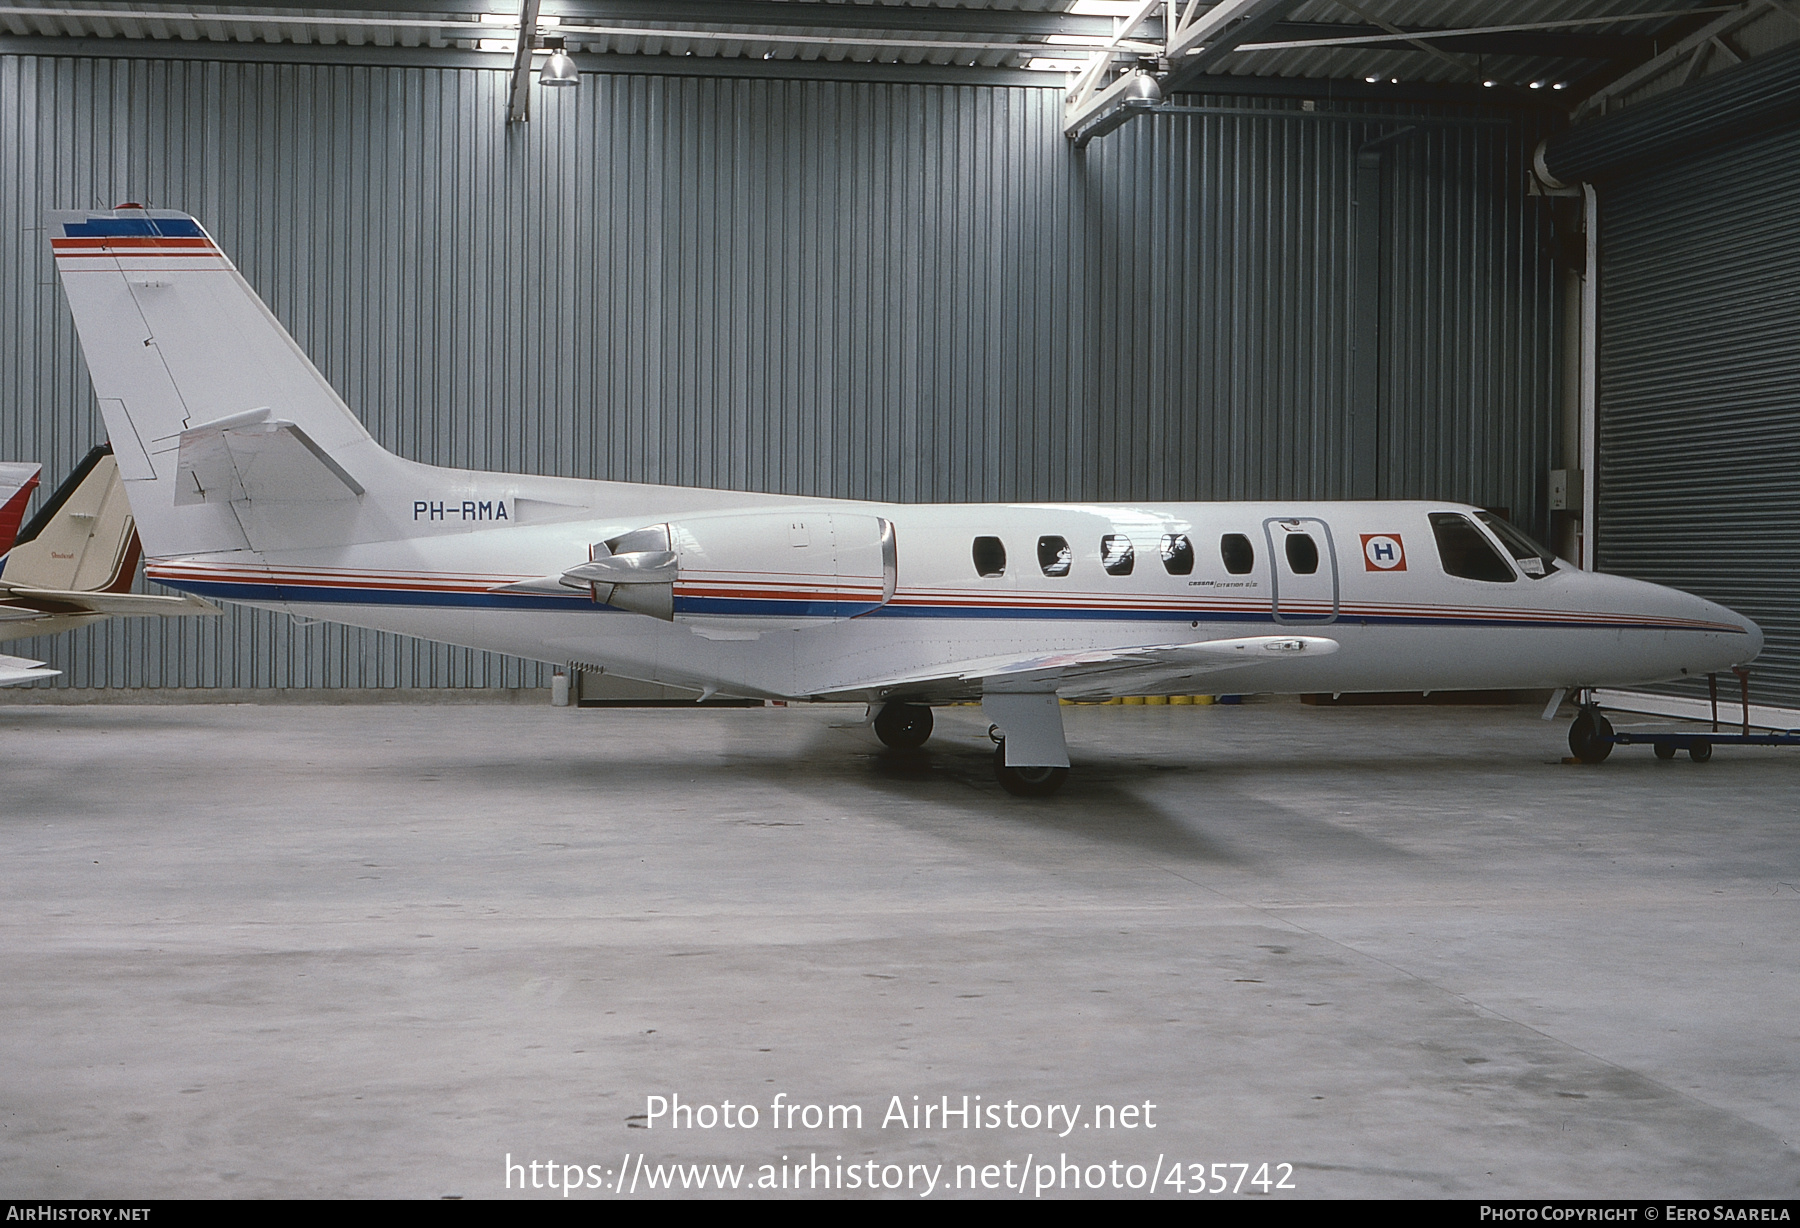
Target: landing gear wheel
[903,726]
[1589,736]
[1665,750]
[1027,781]
[1700,751]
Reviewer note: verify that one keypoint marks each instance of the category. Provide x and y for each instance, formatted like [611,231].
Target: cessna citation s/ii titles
[252,481]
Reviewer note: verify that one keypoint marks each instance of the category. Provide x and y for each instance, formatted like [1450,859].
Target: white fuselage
[251,480]
[762,625]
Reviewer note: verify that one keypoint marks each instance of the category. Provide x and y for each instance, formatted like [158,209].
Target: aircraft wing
[1148,669]
[119,605]
[14,670]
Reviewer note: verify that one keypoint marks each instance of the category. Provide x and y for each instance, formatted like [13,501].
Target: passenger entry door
[1303,570]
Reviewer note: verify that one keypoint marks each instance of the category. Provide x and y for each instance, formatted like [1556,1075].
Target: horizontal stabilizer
[118,605]
[254,457]
[14,670]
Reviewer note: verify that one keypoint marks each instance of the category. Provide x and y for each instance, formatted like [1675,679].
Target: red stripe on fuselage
[1075,603]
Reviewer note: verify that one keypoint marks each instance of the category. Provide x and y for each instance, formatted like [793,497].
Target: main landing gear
[1026,781]
[903,726]
[1031,759]
[1038,762]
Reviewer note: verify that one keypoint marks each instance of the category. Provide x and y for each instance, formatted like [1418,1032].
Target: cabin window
[1464,552]
[1533,559]
[1116,554]
[1177,554]
[1302,554]
[1054,555]
[1237,552]
[990,557]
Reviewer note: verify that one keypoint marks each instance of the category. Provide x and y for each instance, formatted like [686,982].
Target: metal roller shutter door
[1759,95]
[1699,465]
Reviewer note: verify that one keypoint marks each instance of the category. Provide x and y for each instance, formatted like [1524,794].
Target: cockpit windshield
[1533,559]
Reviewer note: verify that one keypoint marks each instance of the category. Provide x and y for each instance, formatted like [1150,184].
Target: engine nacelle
[738,575]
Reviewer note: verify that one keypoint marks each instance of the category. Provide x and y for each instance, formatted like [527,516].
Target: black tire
[1700,751]
[1589,737]
[903,726]
[1666,750]
[1027,781]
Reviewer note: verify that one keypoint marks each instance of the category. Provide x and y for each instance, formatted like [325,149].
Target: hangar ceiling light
[559,69]
[1143,89]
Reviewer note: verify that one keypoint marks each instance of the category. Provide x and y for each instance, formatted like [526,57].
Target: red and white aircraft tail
[74,564]
[17,481]
[201,388]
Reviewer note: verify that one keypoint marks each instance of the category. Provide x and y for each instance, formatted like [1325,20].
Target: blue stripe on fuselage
[726,607]
[303,594]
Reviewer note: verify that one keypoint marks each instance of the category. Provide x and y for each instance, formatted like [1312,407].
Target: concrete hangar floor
[386,950]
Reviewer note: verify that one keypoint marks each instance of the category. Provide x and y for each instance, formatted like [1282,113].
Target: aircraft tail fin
[199,383]
[17,481]
[83,539]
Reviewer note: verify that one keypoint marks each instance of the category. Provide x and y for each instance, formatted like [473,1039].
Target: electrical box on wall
[1565,490]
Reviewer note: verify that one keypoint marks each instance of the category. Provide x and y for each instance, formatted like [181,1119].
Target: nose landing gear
[1590,737]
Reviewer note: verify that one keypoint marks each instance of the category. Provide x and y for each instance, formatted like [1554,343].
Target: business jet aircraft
[74,563]
[252,481]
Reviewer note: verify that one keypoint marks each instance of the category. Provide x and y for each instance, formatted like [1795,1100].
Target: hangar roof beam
[518,108]
[1091,109]
[1199,40]
[1541,38]
[789,14]
[1568,44]
[1693,44]
[1196,40]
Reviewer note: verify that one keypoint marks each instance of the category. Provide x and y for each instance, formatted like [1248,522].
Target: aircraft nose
[1754,642]
[1744,648]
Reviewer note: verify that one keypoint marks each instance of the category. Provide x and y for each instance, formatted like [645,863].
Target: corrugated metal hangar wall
[903,292]
[1700,389]
[1699,392]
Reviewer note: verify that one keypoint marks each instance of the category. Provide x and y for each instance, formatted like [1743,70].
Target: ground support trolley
[1591,737]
